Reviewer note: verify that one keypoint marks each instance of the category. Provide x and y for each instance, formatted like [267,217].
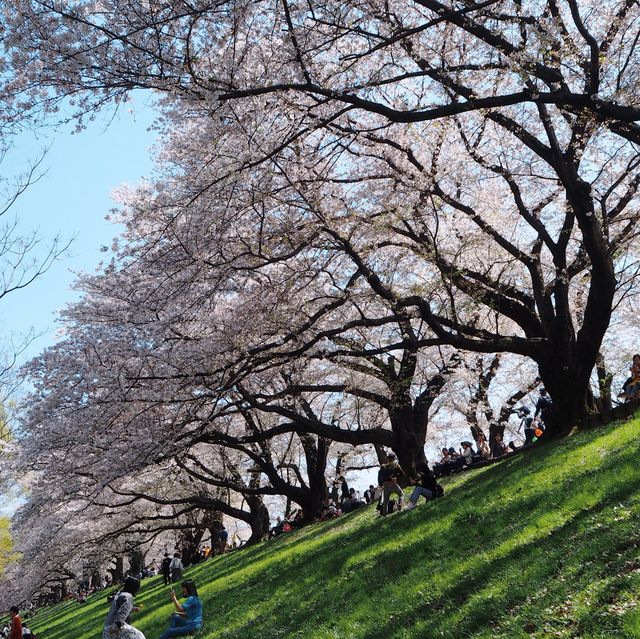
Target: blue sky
[71,200]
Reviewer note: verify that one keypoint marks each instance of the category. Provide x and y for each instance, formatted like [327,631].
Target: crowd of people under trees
[388,496]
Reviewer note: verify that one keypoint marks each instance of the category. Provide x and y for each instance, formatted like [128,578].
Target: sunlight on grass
[543,545]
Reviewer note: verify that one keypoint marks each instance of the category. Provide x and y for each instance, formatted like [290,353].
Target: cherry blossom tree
[342,190]
[443,126]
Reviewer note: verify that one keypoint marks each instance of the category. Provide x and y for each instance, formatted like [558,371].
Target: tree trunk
[567,385]
[117,572]
[258,520]
[409,426]
[316,455]
[605,379]
[136,563]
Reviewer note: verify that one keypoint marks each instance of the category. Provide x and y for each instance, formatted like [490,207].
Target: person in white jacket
[117,624]
[176,568]
[467,453]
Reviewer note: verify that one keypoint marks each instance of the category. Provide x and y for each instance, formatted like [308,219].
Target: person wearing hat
[117,623]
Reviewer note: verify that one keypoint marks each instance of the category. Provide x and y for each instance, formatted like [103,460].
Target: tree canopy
[360,212]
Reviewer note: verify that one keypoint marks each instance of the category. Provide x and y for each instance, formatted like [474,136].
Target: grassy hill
[543,545]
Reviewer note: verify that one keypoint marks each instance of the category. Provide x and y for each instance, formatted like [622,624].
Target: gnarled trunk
[258,519]
[409,426]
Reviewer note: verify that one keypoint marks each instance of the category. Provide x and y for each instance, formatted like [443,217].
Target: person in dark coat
[165,569]
[544,406]
[344,489]
[425,486]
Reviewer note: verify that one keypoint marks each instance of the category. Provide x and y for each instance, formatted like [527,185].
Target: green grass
[546,544]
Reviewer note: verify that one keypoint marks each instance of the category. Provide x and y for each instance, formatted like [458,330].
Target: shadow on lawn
[476,592]
[447,569]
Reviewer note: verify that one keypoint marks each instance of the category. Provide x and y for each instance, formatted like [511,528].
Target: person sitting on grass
[27,633]
[352,503]
[483,446]
[368,494]
[467,453]
[297,519]
[631,387]
[329,510]
[455,463]
[498,449]
[441,466]
[425,486]
[277,529]
[117,623]
[188,616]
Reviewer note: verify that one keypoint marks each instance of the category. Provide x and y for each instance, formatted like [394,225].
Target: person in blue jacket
[188,616]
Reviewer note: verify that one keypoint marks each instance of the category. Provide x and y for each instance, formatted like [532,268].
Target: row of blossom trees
[360,212]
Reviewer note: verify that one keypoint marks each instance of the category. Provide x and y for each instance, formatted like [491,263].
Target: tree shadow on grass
[458,593]
[449,569]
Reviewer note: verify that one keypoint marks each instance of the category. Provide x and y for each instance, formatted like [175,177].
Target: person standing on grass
[188,616]
[344,488]
[176,568]
[389,474]
[544,406]
[165,568]
[117,624]
[223,538]
[16,623]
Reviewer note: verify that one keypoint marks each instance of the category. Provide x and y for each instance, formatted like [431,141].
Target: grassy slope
[542,545]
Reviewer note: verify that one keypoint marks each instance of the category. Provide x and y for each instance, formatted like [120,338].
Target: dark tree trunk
[316,454]
[566,368]
[409,426]
[188,546]
[605,379]
[258,519]
[136,563]
[117,572]
[568,387]
[409,417]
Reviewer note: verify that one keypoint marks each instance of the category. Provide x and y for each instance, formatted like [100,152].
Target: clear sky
[71,200]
